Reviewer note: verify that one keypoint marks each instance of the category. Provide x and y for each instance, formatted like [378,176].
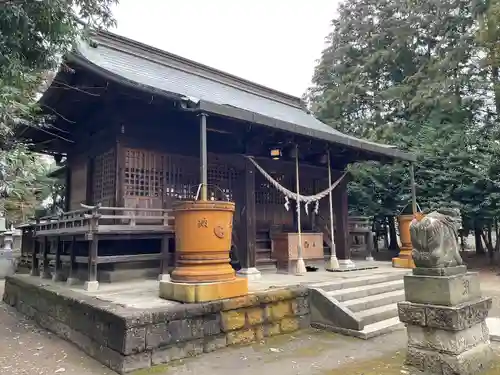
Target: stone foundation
[203,292]
[127,339]
[448,334]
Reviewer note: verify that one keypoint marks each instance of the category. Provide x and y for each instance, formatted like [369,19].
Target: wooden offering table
[285,249]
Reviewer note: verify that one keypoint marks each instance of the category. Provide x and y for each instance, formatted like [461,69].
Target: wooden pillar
[119,158]
[45,258]
[165,257]
[72,264]
[203,157]
[92,284]
[35,264]
[341,210]
[57,245]
[295,216]
[248,232]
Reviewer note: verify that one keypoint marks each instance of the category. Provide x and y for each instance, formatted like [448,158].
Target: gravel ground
[28,350]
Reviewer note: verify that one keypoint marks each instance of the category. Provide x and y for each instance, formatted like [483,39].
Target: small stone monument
[7,261]
[444,311]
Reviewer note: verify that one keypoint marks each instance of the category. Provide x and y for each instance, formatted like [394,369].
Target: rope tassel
[306,199]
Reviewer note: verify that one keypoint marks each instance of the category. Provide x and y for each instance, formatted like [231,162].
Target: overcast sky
[271,42]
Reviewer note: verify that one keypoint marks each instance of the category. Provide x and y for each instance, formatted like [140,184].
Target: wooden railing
[360,226]
[100,219]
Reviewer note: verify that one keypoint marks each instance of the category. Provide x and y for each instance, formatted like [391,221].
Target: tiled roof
[214,90]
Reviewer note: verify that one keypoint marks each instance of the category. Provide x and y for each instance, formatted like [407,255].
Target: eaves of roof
[215,92]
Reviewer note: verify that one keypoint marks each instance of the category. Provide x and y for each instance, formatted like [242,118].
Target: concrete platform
[141,294]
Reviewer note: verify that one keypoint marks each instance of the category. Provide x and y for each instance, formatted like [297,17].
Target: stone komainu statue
[435,240]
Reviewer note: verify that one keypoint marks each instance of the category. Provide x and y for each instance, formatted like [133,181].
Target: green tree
[33,37]
[393,62]
[419,75]
[24,184]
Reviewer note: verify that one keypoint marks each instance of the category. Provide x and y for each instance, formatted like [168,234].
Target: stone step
[263,250]
[380,328]
[378,314]
[358,281]
[377,300]
[369,331]
[366,290]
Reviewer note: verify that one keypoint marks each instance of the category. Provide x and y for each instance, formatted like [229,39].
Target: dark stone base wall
[126,339]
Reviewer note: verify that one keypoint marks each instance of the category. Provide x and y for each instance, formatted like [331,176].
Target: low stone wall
[127,339]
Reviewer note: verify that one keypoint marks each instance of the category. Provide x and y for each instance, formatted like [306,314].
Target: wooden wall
[104,178]
[93,180]
[78,170]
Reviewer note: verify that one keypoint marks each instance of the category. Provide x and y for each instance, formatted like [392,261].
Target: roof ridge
[160,56]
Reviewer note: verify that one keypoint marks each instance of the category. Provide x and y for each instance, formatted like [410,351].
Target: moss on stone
[239,302]
[391,365]
[289,325]
[276,295]
[278,311]
[273,329]
[244,336]
[155,370]
[259,333]
[232,320]
[255,315]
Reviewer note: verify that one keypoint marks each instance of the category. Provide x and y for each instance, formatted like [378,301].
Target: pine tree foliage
[424,76]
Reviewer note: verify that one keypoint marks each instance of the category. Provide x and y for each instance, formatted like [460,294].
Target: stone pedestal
[251,273]
[346,264]
[445,317]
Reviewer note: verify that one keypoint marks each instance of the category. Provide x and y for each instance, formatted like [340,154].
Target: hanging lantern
[275,153]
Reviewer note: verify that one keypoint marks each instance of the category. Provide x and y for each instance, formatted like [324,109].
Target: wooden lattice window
[166,177]
[181,177]
[307,185]
[221,179]
[104,176]
[265,193]
[143,173]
